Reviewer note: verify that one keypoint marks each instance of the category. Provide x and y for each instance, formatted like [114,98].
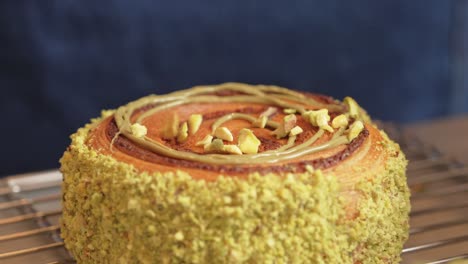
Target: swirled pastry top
[235,129]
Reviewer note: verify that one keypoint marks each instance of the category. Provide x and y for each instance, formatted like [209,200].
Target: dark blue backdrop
[63,61]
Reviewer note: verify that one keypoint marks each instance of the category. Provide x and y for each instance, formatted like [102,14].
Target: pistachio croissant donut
[234,173]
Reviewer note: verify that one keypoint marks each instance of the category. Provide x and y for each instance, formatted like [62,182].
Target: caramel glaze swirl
[314,147]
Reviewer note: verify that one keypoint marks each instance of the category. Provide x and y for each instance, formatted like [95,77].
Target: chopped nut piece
[270,242]
[170,131]
[194,123]
[289,122]
[355,129]
[227,199]
[248,142]
[138,130]
[295,131]
[284,193]
[322,122]
[184,201]
[205,141]
[320,118]
[232,149]
[179,236]
[151,229]
[289,111]
[223,133]
[309,168]
[340,121]
[133,204]
[318,173]
[269,112]
[353,107]
[216,146]
[183,133]
[260,122]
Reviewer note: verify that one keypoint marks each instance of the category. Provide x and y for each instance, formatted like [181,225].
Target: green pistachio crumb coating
[113,213]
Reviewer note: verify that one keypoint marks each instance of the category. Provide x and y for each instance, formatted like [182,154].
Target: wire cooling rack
[30,210]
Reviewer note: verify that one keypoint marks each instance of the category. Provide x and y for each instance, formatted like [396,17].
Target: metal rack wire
[30,210]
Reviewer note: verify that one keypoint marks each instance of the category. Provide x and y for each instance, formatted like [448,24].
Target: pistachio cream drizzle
[260,94]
